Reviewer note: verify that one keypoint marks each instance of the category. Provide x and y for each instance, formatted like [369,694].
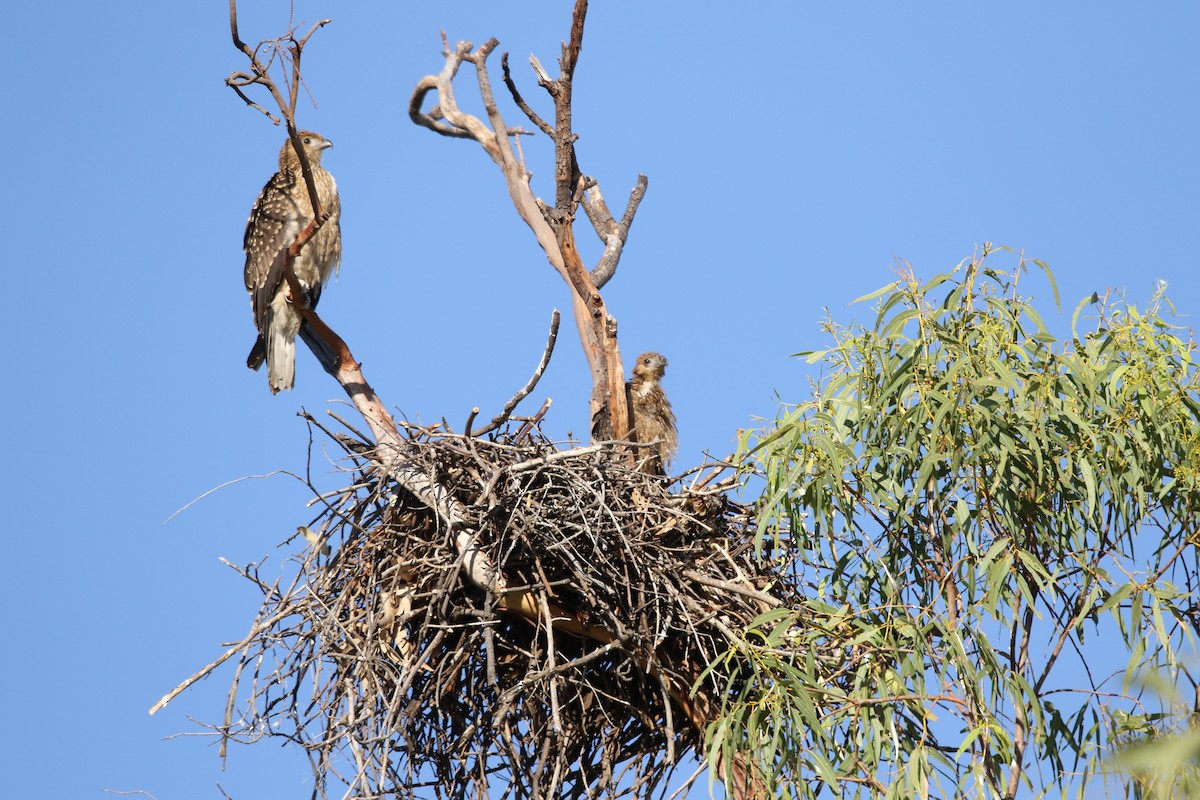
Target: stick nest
[401,678]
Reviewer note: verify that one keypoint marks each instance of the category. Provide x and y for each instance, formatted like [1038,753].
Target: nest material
[403,679]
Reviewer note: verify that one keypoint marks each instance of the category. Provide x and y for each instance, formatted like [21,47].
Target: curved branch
[613,234]
[432,120]
[520,101]
[262,77]
[460,124]
[552,229]
[502,417]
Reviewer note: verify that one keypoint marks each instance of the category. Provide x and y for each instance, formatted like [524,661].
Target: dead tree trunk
[552,226]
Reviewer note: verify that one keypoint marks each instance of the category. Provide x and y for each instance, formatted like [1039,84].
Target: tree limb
[262,77]
[502,417]
[613,234]
[552,228]
[544,126]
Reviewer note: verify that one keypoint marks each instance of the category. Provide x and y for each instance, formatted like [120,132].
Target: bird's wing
[274,222]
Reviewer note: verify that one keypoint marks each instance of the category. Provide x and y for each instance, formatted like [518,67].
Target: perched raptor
[653,420]
[282,210]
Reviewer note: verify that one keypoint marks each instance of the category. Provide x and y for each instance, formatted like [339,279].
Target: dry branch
[524,391]
[552,227]
[289,47]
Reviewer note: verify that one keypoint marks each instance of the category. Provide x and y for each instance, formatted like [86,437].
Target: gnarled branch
[524,391]
[552,226]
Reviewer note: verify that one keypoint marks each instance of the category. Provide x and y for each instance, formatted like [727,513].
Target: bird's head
[650,366]
[314,147]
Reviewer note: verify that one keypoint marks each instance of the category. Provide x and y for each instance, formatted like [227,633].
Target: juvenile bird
[653,420]
[282,210]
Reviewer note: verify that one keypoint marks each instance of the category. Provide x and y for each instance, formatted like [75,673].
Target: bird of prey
[283,209]
[653,420]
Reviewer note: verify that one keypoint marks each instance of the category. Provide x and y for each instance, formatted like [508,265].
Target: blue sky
[793,150]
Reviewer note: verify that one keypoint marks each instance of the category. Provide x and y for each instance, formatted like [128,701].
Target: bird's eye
[308,140]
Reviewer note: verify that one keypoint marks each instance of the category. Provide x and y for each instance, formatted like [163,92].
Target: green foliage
[1159,766]
[997,530]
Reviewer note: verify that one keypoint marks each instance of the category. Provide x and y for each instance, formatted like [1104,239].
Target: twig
[361,436]
[545,127]
[729,586]
[218,488]
[529,386]
[256,631]
[532,422]
[261,76]
[267,589]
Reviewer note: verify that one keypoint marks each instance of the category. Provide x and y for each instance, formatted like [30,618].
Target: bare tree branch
[520,101]
[552,227]
[613,234]
[504,414]
[261,76]
[205,671]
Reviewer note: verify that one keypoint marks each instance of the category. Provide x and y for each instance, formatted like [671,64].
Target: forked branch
[553,227]
[285,47]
